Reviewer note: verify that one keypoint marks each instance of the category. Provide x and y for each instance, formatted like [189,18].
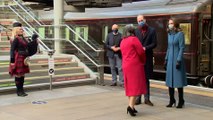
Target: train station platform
[94,102]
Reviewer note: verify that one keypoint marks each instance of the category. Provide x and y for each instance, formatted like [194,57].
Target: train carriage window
[82,31]
[121,28]
[67,33]
[186,28]
[107,29]
[41,32]
[105,33]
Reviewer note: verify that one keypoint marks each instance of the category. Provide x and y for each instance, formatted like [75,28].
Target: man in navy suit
[148,38]
[112,43]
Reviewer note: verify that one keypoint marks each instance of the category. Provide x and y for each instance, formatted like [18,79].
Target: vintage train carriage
[194,15]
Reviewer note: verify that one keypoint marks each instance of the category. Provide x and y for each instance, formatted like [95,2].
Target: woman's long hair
[176,25]
[15,32]
[129,30]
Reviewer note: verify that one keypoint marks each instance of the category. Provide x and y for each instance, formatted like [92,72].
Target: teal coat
[175,78]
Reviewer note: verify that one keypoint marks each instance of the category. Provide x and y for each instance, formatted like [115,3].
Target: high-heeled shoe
[171,102]
[134,110]
[180,104]
[130,111]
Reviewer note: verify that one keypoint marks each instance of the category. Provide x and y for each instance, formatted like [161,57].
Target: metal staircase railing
[36,21]
[29,12]
[21,11]
[45,48]
[41,44]
[41,24]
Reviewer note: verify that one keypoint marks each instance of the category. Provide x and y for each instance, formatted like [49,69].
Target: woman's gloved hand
[34,37]
[178,65]
[165,64]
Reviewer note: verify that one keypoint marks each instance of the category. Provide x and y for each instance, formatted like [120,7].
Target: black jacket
[110,41]
[149,41]
[18,45]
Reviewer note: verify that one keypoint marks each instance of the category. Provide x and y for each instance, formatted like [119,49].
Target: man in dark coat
[112,43]
[148,37]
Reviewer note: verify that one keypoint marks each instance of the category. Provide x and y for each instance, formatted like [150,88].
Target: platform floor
[93,102]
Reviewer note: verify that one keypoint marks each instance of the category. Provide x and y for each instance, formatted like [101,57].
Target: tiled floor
[92,103]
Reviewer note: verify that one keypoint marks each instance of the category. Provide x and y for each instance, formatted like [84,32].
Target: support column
[58,19]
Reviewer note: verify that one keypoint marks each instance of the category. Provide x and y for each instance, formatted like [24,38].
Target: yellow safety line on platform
[186,90]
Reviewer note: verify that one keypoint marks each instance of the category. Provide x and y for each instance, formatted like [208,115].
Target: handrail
[61,39]
[81,51]
[26,11]
[21,17]
[65,25]
[81,38]
[40,41]
[30,34]
[77,49]
[30,26]
[42,25]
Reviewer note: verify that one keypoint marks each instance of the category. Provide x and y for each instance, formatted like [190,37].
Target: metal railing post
[51,63]
[100,80]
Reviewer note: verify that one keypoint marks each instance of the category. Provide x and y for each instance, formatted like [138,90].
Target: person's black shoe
[148,102]
[134,110]
[25,94]
[180,104]
[171,103]
[113,84]
[130,111]
[21,94]
[137,102]
[121,85]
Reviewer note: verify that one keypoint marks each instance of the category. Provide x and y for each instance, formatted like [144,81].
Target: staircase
[68,69]
[4,42]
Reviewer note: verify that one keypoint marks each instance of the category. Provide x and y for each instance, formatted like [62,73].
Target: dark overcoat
[111,42]
[149,41]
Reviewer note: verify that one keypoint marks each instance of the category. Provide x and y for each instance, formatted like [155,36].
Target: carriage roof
[151,7]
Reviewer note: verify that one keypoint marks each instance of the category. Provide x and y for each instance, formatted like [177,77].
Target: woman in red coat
[133,60]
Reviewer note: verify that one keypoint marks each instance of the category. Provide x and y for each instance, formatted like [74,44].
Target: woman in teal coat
[174,64]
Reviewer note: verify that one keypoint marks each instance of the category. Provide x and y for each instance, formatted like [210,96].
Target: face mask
[142,23]
[171,26]
[115,31]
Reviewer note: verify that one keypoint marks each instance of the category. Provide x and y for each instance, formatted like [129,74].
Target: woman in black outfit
[18,54]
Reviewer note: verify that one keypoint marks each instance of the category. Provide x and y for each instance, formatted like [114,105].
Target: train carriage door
[107,29]
[206,43]
[83,32]
[212,38]
[41,32]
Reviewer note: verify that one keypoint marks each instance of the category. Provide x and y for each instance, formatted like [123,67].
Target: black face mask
[115,31]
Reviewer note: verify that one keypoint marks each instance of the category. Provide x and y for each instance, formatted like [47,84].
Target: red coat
[133,60]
